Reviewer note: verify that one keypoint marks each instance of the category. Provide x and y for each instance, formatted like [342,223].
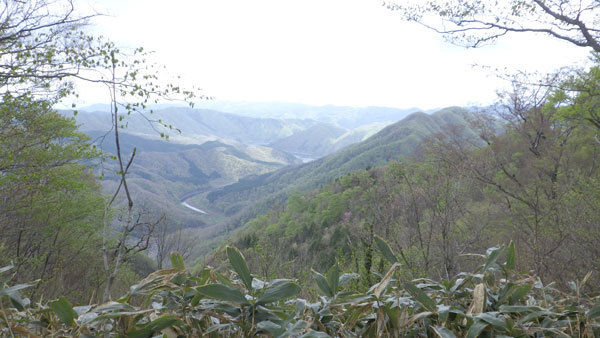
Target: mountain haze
[393,142]
[342,116]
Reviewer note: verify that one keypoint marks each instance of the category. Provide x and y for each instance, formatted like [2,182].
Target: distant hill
[342,116]
[318,141]
[305,137]
[314,141]
[391,143]
[164,172]
[200,125]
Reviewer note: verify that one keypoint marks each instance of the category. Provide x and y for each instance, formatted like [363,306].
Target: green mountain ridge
[254,195]
[200,125]
[392,142]
[342,116]
[163,172]
[319,141]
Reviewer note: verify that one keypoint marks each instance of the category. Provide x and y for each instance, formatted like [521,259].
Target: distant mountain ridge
[236,181]
[306,137]
[214,149]
[391,143]
[162,173]
[200,125]
[341,116]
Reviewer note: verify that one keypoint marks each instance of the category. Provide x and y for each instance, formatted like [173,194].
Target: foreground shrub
[491,301]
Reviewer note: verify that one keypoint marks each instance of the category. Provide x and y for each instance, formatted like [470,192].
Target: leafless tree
[42,43]
[474,23]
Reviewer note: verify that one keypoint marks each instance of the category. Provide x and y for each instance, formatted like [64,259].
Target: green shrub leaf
[14,288]
[492,258]
[420,297]
[385,249]
[237,261]
[154,326]
[223,292]
[593,313]
[177,261]
[476,329]
[322,284]
[333,278]
[64,311]
[518,308]
[510,256]
[443,332]
[278,292]
[533,316]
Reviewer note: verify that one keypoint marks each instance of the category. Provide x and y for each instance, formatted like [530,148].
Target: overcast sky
[343,52]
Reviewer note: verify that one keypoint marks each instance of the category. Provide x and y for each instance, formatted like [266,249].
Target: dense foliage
[535,183]
[51,205]
[493,300]
[404,226]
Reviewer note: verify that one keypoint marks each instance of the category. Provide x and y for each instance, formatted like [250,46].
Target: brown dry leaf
[24,332]
[386,280]
[478,304]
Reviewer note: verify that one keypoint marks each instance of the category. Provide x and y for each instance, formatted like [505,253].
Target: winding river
[185,204]
[187,196]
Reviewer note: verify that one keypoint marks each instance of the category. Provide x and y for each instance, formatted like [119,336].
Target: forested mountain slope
[391,143]
[201,124]
[164,172]
[318,141]
[535,184]
[307,137]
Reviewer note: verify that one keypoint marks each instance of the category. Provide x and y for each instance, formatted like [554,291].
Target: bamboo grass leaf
[278,292]
[385,249]
[64,311]
[333,278]
[443,332]
[238,262]
[322,284]
[223,292]
[476,329]
[420,297]
[153,327]
[593,313]
[510,256]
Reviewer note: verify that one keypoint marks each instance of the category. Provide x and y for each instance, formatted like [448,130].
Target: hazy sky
[343,52]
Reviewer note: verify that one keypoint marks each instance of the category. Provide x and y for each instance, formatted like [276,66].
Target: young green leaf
[385,249]
[223,292]
[153,327]
[476,329]
[64,311]
[322,284]
[14,288]
[237,261]
[278,292]
[510,256]
[177,261]
[333,277]
[420,297]
[593,313]
[443,332]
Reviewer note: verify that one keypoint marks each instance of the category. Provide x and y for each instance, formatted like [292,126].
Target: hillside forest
[200,218]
